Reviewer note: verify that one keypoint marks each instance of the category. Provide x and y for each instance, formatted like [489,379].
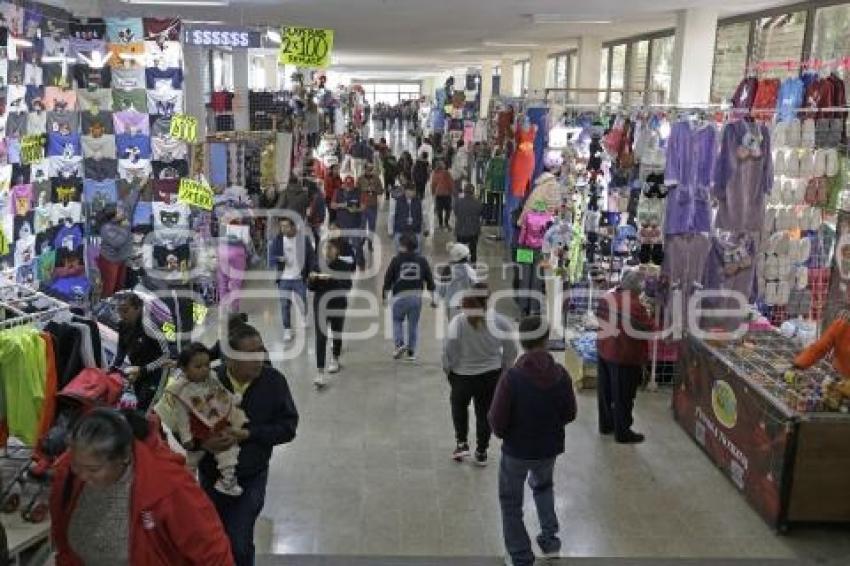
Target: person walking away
[330,284]
[116,247]
[316,214]
[361,154]
[333,183]
[294,257]
[311,124]
[405,278]
[371,190]
[420,173]
[427,149]
[460,166]
[119,495]
[479,346]
[458,277]
[406,217]
[405,168]
[533,403]
[622,356]
[391,170]
[295,198]
[349,218]
[481,156]
[272,421]
[142,343]
[442,187]
[468,211]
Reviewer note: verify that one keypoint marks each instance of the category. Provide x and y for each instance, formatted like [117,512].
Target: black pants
[479,389]
[324,321]
[420,189]
[444,209]
[145,390]
[239,514]
[615,392]
[472,242]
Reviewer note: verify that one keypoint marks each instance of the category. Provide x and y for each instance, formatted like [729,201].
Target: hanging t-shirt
[5,178]
[165,102]
[16,98]
[63,144]
[166,148]
[102,147]
[21,197]
[33,75]
[143,186]
[165,190]
[100,169]
[58,121]
[129,122]
[16,124]
[24,251]
[173,78]
[129,170]
[136,99]
[98,194]
[92,77]
[35,97]
[59,99]
[42,219]
[13,150]
[222,101]
[66,167]
[40,171]
[167,55]
[68,237]
[54,74]
[37,123]
[133,146]
[41,192]
[86,47]
[45,264]
[66,190]
[60,212]
[124,30]
[160,126]
[170,216]
[92,28]
[92,121]
[13,17]
[143,214]
[128,79]
[162,28]
[15,73]
[127,56]
[55,46]
[95,100]
[176,169]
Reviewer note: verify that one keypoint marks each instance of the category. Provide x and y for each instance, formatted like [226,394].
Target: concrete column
[241,82]
[693,55]
[270,69]
[589,66]
[507,82]
[537,72]
[486,87]
[194,61]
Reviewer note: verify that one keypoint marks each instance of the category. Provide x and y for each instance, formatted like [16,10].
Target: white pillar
[693,55]
[194,62]
[589,67]
[270,70]
[506,87]
[241,82]
[537,73]
[486,87]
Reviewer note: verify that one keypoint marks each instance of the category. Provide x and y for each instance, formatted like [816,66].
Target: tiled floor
[370,474]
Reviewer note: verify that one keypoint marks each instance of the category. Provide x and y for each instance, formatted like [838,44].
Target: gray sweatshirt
[471,351]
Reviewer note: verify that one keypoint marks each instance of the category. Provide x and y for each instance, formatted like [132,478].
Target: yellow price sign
[32,149]
[184,127]
[306,47]
[195,193]
[169,331]
[199,313]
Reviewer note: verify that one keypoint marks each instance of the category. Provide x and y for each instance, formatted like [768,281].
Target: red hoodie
[172,522]
[616,342]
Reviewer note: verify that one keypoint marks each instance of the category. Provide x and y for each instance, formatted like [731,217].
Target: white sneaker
[319,381]
[333,366]
[287,336]
[228,486]
[399,352]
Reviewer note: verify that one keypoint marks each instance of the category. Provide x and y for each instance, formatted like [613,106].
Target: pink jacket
[533,229]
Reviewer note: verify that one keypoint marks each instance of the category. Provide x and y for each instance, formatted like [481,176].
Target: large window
[521,77]
[831,38]
[638,68]
[391,93]
[618,73]
[222,65]
[779,38]
[497,80]
[661,70]
[604,76]
[730,59]
[558,71]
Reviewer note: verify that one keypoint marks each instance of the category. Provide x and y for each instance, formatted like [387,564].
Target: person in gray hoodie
[116,243]
[295,197]
[479,345]
[455,278]
[468,220]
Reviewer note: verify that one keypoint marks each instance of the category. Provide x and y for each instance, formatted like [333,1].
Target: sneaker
[461,452]
[411,357]
[630,438]
[508,560]
[319,381]
[228,486]
[399,352]
[287,336]
[551,547]
[481,458]
[333,366]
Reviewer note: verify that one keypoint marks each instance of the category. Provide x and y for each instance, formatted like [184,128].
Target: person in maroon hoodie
[533,402]
[622,356]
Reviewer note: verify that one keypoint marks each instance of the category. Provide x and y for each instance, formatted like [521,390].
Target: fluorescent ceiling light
[178,2]
[509,45]
[564,19]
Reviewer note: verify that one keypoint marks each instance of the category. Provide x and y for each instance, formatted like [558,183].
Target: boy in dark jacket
[468,220]
[533,403]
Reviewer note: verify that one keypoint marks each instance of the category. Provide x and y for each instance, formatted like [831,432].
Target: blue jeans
[512,475]
[406,307]
[239,514]
[371,218]
[292,290]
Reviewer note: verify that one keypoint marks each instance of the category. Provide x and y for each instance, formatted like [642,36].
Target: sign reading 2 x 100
[212,36]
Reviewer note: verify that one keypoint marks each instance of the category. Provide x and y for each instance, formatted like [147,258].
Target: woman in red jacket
[125,501]
[333,182]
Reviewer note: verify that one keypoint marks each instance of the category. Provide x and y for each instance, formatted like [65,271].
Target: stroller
[91,388]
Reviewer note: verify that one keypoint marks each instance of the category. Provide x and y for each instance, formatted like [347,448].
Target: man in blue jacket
[406,217]
[532,404]
[272,420]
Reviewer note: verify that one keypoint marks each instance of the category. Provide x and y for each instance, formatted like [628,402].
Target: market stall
[776,432]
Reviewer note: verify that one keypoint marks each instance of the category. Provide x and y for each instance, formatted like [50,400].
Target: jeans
[292,290]
[512,475]
[239,514]
[615,394]
[406,307]
[371,217]
[479,389]
[325,321]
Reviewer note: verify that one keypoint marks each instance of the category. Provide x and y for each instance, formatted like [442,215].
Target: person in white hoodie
[457,277]
[460,166]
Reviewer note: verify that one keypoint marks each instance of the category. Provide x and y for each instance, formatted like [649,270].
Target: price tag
[524,256]
[306,47]
[184,127]
[32,149]
[195,193]
[169,331]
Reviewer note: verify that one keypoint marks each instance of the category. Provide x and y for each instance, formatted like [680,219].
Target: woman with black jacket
[330,284]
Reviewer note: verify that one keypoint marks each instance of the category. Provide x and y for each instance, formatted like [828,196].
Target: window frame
[630,42]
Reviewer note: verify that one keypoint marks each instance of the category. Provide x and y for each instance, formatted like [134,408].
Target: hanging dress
[522,164]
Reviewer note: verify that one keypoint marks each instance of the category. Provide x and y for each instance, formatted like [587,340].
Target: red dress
[522,164]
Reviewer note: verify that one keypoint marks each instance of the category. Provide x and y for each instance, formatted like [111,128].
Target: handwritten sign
[306,47]
[32,149]
[184,127]
[195,193]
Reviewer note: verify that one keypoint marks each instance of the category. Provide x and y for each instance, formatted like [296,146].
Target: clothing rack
[14,296]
